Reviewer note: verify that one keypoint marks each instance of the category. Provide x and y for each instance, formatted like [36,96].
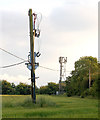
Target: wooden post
[89,78]
[32,56]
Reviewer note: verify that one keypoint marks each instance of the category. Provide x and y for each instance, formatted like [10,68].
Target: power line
[48,68]
[12,54]
[51,69]
[21,62]
[26,60]
[13,65]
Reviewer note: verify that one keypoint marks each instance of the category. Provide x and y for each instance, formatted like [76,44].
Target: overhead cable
[51,69]
[13,65]
[12,54]
[48,68]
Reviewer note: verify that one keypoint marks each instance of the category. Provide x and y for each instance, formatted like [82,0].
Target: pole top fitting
[30,12]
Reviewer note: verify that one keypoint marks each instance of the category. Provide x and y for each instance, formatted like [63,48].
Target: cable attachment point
[37,33]
[38,54]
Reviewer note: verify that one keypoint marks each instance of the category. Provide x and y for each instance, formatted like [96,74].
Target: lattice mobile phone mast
[62,61]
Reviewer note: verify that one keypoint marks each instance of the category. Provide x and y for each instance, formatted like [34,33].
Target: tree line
[25,89]
[83,81]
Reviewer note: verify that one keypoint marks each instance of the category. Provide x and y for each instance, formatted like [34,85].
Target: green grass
[49,107]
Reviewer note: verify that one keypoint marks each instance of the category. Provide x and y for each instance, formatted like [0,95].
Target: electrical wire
[27,60]
[13,65]
[6,66]
[51,69]
[22,62]
[12,54]
[48,68]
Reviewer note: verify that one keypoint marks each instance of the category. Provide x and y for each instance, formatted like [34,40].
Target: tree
[6,87]
[50,89]
[79,81]
[20,89]
[0,87]
[23,89]
[43,90]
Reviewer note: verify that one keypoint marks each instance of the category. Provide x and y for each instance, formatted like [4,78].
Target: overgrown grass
[44,101]
[49,107]
[41,101]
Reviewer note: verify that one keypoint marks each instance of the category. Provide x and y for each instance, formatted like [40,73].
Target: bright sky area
[69,28]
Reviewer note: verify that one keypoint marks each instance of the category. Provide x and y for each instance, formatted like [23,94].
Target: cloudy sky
[69,28]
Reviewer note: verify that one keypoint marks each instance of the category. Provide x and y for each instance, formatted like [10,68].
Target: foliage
[78,83]
[7,88]
[51,88]
[20,89]
[85,93]
[24,89]
[0,87]
[43,90]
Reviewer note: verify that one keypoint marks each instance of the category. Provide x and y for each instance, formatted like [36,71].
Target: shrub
[85,93]
[93,92]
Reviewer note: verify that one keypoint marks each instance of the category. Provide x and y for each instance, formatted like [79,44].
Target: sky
[69,28]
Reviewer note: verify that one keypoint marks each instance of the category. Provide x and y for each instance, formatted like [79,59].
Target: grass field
[49,107]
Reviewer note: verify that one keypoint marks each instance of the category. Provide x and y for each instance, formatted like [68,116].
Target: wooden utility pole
[32,37]
[89,77]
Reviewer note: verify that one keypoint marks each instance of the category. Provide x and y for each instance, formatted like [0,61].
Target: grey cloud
[14,32]
[13,23]
[14,38]
[72,19]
